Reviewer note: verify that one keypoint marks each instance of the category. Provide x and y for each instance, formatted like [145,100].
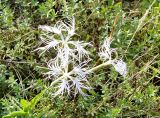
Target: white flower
[106,53]
[105,50]
[120,67]
[66,47]
[69,81]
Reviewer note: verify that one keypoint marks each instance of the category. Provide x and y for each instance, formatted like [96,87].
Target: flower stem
[99,66]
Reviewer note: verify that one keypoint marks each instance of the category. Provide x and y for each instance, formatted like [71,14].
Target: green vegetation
[134,26]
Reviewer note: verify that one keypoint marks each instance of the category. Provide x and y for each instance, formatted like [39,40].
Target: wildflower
[120,67]
[68,81]
[105,50]
[66,69]
[66,47]
[106,54]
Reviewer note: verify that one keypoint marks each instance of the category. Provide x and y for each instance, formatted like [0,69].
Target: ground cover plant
[79,58]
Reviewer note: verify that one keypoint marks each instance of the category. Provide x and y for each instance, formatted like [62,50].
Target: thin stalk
[99,66]
[140,24]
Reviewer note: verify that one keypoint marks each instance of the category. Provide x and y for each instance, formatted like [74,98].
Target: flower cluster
[67,69]
[67,63]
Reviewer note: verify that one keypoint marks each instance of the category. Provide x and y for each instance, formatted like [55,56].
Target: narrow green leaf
[25,104]
[15,113]
[36,99]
